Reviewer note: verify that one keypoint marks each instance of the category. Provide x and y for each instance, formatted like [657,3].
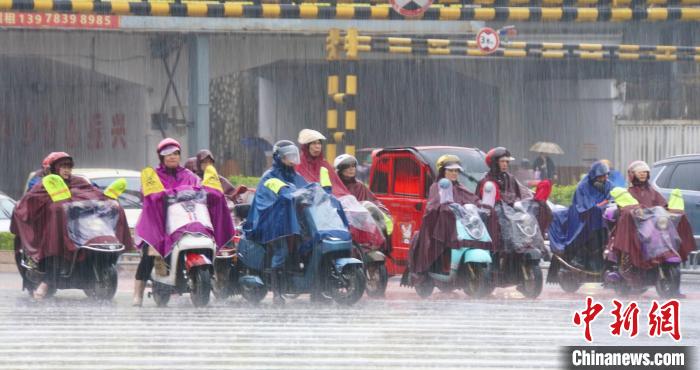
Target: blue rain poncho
[583,216]
[273,215]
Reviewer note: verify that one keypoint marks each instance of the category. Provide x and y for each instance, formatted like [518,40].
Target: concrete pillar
[198,99]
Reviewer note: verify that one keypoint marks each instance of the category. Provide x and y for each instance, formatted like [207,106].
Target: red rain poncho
[41,224]
[310,170]
[438,230]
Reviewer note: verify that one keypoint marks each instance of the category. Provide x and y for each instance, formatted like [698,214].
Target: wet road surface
[446,331]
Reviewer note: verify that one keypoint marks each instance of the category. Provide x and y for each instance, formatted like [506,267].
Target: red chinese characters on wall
[119,131]
[70,133]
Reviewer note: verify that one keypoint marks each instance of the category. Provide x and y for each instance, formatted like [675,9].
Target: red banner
[58,20]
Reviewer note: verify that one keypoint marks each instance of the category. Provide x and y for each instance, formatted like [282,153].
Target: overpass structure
[215,74]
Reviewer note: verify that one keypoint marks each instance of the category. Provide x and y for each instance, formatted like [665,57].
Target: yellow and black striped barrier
[355,44]
[483,3]
[435,43]
[341,92]
[350,11]
[559,3]
[535,53]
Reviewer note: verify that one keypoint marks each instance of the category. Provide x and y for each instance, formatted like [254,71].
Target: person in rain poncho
[40,224]
[625,237]
[151,226]
[544,165]
[509,190]
[581,226]
[544,213]
[204,159]
[39,174]
[614,176]
[638,176]
[346,168]
[312,162]
[438,231]
[273,218]
[191,164]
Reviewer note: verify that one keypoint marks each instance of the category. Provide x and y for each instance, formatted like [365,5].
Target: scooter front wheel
[105,285]
[254,294]
[668,282]
[201,286]
[377,279]
[351,286]
[532,284]
[568,280]
[478,282]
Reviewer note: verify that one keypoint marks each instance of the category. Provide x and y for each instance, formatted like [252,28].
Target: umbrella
[546,147]
[256,143]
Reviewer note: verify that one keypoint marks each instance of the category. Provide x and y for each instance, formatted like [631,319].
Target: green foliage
[249,181]
[7,241]
[562,194]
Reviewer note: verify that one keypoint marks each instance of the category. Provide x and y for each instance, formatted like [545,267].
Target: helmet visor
[453,166]
[290,153]
[170,149]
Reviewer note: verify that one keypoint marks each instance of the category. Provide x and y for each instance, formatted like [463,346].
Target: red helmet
[495,154]
[54,157]
[165,144]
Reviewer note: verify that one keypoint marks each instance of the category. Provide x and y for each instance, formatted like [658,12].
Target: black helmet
[495,154]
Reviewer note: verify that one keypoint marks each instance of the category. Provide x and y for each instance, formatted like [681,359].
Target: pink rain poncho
[151,226]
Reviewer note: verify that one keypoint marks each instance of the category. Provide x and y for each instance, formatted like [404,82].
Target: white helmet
[344,160]
[307,136]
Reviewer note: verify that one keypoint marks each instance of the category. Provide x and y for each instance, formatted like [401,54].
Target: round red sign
[487,40]
[411,8]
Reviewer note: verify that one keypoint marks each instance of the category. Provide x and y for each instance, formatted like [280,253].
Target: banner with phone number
[58,20]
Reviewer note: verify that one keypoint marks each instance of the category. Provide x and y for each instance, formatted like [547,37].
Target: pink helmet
[54,157]
[168,146]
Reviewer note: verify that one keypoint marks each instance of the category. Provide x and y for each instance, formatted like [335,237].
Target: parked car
[7,205]
[131,200]
[401,179]
[681,172]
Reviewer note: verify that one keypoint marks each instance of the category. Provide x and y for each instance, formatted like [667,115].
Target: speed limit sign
[487,40]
